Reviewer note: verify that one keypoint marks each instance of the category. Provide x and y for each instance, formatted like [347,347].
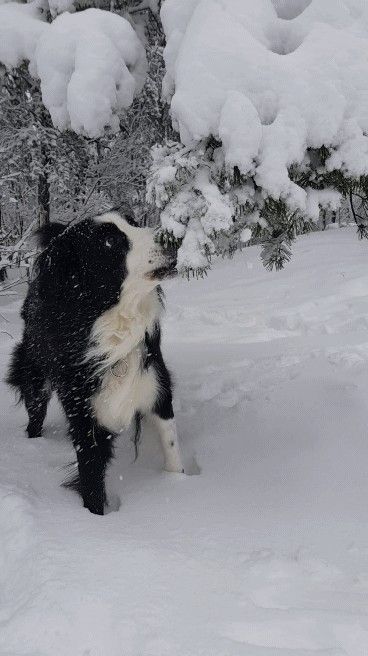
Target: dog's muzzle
[166,265]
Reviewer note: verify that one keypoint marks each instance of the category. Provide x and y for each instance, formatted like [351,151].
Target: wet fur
[88,307]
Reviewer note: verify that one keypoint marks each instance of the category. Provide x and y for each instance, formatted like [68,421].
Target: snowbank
[265,553]
[271,79]
[90,63]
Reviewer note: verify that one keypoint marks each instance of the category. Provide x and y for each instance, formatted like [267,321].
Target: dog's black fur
[76,280]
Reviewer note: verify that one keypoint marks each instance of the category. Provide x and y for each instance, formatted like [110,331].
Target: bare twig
[6,333]
[15,283]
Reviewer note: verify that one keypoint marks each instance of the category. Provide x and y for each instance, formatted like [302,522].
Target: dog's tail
[47,233]
[72,480]
[17,371]
[137,434]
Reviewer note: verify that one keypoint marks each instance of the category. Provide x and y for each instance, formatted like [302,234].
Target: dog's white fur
[118,335]
[170,444]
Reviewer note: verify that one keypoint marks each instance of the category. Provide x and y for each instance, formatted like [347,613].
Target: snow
[265,552]
[271,79]
[20,28]
[241,145]
[59,6]
[90,63]
[321,198]
[219,213]
[246,235]
[190,254]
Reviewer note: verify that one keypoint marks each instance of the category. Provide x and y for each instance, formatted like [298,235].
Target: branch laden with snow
[197,205]
[281,86]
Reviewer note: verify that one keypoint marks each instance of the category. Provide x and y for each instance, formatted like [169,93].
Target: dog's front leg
[170,443]
[94,447]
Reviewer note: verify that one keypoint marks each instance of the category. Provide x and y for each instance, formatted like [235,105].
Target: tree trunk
[43,191]
[3,273]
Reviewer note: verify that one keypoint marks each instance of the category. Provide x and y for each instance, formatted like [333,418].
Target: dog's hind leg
[27,377]
[36,397]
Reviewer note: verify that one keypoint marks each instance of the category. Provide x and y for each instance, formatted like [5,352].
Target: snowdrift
[265,553]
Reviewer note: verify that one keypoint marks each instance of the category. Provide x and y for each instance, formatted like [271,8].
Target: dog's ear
[47,233]
[126,211]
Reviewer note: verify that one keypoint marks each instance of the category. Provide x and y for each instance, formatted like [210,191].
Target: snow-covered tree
[125,167]
[270,103]
[260,132]
[80,108]
[90,63]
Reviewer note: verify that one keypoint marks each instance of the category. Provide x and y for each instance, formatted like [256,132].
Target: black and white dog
[92,334]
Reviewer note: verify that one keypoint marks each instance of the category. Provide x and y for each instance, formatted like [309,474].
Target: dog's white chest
[120,397]
[117,338]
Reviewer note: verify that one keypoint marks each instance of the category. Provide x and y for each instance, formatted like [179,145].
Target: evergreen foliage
[201,199]
[203,206]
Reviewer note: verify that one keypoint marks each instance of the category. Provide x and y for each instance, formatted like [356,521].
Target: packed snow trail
[265,552]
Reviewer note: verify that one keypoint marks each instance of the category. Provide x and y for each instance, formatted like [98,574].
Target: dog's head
[94,261]
[146,262]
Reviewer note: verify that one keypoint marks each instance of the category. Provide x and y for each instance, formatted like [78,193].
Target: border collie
[92,334]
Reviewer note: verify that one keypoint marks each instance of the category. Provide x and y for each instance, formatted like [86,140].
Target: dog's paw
[113,503]
[174,469]
[192,468]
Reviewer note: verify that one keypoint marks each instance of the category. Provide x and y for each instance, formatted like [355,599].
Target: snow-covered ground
[265,553]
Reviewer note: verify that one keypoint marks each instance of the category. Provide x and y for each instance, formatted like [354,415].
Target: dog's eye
[113,242]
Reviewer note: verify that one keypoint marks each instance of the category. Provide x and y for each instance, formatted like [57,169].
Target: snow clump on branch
[91,63]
